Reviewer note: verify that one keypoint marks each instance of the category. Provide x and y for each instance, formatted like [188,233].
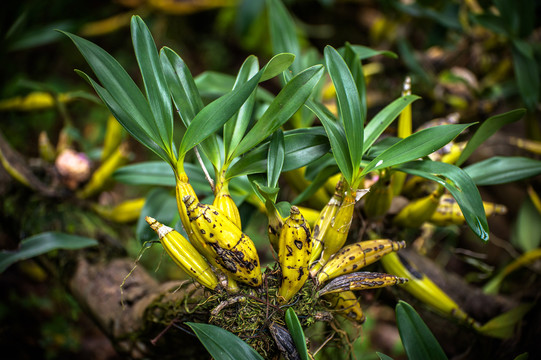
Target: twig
[227,302]
[146,245]
[155,340]
[267,293]
[207,176]
[324,343]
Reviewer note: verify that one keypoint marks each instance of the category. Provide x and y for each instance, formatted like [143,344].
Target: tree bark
[123,315]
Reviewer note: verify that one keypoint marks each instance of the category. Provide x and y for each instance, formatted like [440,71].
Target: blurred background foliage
[475,58]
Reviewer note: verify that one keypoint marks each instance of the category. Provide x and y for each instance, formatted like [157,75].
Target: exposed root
[146,245]
[248,314]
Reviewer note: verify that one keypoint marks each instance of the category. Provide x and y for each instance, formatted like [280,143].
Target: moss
[247,313]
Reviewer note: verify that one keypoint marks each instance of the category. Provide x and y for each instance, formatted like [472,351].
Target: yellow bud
[378,200]
[184,254]
[454,152]
[448,211]
[324,222]
[113,137]
[46,149]
[346,304]
[183,188]
[310,215]
[234,250]
[295,247]
[422,287]
[530,145]
[418,211]
[356,256]
[336,235]
[125,212]
[225,204]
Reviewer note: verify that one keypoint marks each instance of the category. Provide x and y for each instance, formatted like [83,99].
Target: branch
[96,287]
[15,165]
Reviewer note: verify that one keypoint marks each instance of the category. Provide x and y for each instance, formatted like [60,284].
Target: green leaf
[214,115]
[146,173]
[488,128]
[161,205]
[381,146]
[276,158]
[181,85]
[186,97]
[43,243]
[518,18]
[526,231]
[491,22]
[212,84]
[283,32]
[337,138]
[266,190]
[285,104]
[447,16]
[240,189]
[134,127]
[297,334]
[365,52]
[523,356]
[277,65]
[383,356]
[407,55]
[460,185]
[353,62]
[349,104]
[157,173]
[85,95]
[320,179]
[415,146]
[41,35]
[503,169]
[154,80]
[525,15]
[526,73]
[305,118]
[302,146]
[492,287]
[283,208]
[136,114]
[222,344]
[265,193]
[384,118]
[319,166]
[419,342]
[247,13]
[504,325]
[235,128]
